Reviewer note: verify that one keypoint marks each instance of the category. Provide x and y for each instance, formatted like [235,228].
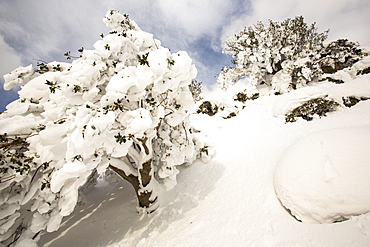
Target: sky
[45,29]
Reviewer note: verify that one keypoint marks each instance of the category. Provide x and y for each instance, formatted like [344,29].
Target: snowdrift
[324,177]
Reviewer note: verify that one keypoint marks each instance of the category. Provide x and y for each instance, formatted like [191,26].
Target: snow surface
[231,201]
[324,177]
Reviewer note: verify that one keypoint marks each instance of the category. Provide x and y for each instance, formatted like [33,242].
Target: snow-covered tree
[281,56]
[123,106]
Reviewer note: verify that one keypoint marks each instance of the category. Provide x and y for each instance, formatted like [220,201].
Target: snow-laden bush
[280,56]
[243,97]
[223,104]
[224,107]
[123,105]
[219,107]
[307,110]
[350,101]
[196,90]
[340,54]
[207,108]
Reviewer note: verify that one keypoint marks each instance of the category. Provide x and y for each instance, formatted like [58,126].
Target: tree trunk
[142,196]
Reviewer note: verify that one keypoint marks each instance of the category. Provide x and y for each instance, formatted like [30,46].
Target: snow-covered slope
[230,201]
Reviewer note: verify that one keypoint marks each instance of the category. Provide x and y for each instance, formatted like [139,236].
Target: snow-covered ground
[230,201]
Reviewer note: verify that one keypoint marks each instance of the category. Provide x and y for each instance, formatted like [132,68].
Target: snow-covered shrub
[124,105]
[196,90]
[340,54]
[318,106]
[225,104]
[350,101]
[220,108]
[242,97]
[336,81]
[207,108]
[281,56]
[364,71]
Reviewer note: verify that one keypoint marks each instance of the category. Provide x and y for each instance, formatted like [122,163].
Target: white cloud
[345,18]
[41,29]
[9,59]
[195,17]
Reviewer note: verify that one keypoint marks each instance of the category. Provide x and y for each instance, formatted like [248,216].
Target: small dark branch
[6,179]
[69,56]
[36,235]
[38,60]
[34,175]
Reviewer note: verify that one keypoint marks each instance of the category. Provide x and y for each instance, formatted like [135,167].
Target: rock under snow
[324,177]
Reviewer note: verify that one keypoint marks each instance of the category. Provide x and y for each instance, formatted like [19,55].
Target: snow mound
[324,177]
